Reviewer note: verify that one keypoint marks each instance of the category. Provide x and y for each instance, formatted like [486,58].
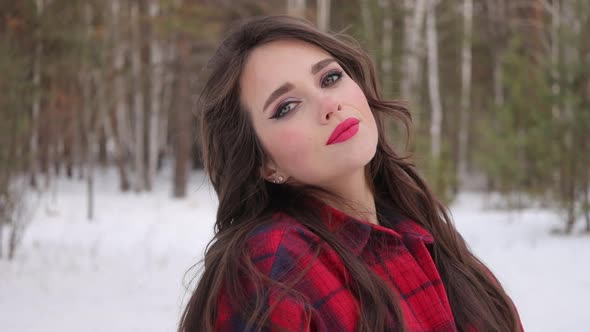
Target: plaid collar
[355,233]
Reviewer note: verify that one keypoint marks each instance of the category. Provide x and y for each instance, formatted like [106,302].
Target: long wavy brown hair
[233,156]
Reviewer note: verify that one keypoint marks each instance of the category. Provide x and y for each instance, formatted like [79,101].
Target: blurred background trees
[499,90]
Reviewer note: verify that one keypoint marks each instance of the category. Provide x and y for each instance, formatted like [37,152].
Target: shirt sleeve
[287,315]
[282,255]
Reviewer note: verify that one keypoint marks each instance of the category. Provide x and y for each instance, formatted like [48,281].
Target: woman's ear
[269,171]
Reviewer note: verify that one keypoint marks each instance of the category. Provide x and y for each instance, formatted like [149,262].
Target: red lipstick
[345,130]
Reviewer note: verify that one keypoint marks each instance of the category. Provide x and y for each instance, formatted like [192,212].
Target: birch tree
[413,23]
[498,31]
[368,30]
[323,14]
[555,75]
[138,104]
[167,95]
[156,72]
[122,130]
[569,170]
[387,48]
[86,123]
[433,82]
[36,102]
[15,132]
[182,130]
[296,8]
[465,87]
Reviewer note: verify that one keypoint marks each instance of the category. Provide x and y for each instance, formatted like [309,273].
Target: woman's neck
[357,192]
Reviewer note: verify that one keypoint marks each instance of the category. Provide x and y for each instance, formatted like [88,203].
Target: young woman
[321,225]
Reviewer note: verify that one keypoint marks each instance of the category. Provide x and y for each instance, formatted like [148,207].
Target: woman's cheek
[291,148]
[357,97]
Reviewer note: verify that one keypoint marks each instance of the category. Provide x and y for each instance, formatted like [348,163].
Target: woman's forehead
[272,64]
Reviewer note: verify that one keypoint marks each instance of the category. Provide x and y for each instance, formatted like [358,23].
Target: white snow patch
[125,270]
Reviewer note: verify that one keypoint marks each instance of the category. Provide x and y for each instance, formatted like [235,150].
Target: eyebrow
[286,87]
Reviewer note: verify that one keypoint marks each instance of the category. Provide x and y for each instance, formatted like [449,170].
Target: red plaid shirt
[397,252]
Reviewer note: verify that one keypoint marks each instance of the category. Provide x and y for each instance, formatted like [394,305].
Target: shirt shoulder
[290,253]
[280,245]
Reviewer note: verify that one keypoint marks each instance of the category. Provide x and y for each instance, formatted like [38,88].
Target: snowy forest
[103,201]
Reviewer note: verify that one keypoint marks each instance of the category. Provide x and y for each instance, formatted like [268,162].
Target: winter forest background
[103,203]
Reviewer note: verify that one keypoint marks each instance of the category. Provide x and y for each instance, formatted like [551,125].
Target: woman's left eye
[284,109]
[331,78]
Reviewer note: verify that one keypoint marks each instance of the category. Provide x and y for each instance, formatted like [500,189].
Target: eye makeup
[327,80]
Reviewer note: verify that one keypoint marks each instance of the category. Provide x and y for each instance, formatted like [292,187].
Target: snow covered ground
[125,271]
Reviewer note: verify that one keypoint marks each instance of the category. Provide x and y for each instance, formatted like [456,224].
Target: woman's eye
[330,78]
[284,109]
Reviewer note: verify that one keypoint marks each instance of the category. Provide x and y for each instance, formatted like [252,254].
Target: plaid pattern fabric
[396,250]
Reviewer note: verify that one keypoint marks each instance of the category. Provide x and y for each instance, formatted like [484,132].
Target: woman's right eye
[284,109]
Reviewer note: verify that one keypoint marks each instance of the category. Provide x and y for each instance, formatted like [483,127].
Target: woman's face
[300,99]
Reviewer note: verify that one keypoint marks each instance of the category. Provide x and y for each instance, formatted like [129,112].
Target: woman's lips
[345,130]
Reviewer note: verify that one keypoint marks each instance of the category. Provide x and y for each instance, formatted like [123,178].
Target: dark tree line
[499,89]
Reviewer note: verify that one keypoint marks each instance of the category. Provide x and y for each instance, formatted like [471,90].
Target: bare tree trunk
[68,153]
[368,27]
[18,219]
[157,73]
[95,119]
[296,8]
[1,234]
[323,14]
[3,214]
[138,105]
[570,160]
[465,88]
[167,101]
[80,144]
[36,104]
[586,199]
[586,176]
[106,121]
[433,82]
[102,146]
[90,178]
[86,79]
[13,240]
[167,94]
[48,143]
[122,136]
[498,18]
[90,160]
[413,23]
[555,25]
[387,48]
[498,80]
[570,205]
[182,116]
[182,139]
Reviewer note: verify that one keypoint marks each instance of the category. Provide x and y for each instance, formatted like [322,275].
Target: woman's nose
[328,106]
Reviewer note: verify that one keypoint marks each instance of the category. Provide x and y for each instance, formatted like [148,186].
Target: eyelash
[333,72]
[279,113]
